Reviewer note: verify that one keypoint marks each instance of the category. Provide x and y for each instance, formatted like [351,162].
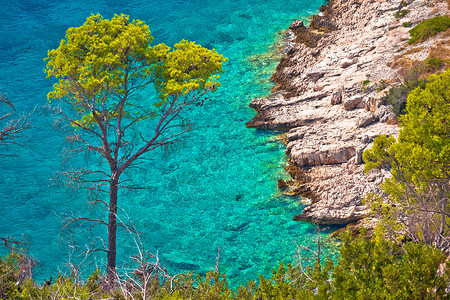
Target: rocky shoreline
[328,98]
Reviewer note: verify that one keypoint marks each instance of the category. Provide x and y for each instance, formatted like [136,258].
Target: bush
[401,13]
[381,85]
[433,64]
[397,95]
[406,24]
[367,269]
[428,28]
[9,273]
[380,269]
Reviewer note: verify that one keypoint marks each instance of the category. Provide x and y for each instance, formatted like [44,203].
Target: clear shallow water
[215,189]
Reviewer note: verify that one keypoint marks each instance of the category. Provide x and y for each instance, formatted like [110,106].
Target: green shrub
[428,28]
[367,269]
[381,85]
[397,95]
[380,269]
[406,24]
[433,64]
[401,13]
[365,83]
[9,273]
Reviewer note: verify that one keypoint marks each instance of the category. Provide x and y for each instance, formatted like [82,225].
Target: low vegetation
[367,269]
[428,28]
[397,95]
[401,13]
[416,77]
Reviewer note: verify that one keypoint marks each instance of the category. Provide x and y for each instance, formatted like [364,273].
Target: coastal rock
[336,98]
[296,24]
[314,76]
[346,62]
[326,96]
[351,103]
[365,119]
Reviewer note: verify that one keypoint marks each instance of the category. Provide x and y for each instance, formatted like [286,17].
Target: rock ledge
[327,97]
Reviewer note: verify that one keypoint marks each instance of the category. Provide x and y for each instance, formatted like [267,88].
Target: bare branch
[10,242]
[11,128]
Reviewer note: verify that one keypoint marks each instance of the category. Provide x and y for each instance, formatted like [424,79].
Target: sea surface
[216,189]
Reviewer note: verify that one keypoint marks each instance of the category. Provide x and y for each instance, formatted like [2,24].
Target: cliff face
[327,95]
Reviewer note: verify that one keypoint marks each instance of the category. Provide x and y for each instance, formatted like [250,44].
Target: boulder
[336,98]
[352,102]
[347,62]
[296,24]
[364,119]
[314,76]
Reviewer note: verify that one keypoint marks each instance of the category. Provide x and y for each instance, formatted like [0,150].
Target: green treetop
[419,161]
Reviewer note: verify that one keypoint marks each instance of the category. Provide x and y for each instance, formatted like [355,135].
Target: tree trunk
[112,229]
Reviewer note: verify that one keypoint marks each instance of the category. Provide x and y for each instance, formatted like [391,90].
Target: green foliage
[419,162]
[380,269]
[406,24]
[377,157]
[9,274]
[188,68]
[366,269]
[425,137]
[293,283]
[104,61]
[366,82]
[397,95]
[381,85]
[401,13]
[93,282]
[63,288]
[433,63]
[91,63]
[428,28]
[189,286]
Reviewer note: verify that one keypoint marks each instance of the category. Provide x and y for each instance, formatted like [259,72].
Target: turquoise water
[216,188]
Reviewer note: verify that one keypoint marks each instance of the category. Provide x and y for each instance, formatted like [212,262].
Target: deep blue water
[217,188]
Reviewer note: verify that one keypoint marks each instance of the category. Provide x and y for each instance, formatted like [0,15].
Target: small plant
[401,13]
[397,95]
[428,28]
[406,24]
[365,83]
[433,64]
[381,85]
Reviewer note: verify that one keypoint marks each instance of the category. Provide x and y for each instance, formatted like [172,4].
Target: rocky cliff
[327,96]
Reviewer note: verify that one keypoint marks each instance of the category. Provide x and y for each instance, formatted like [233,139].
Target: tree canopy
[100,62]
[419,162]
